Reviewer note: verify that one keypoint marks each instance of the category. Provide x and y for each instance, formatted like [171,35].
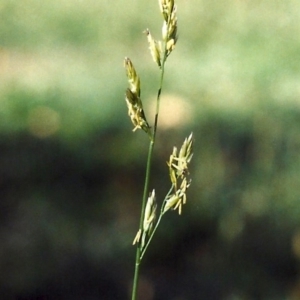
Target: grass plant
[178,163]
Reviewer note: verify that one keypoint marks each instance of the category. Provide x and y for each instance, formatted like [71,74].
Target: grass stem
[139,252]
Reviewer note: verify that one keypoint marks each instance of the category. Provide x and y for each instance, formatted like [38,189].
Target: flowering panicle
[178,163]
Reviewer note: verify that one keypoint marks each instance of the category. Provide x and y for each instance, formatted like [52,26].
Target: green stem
[146,185]
[159,93]
[138,248]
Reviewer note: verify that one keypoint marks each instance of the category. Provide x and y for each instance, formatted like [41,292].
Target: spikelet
[136,112]
[155,48]
[169,29]
[133,78]
[178,170]
[148,222]
[178,163]
[177,199]
[133,100]
[149,217]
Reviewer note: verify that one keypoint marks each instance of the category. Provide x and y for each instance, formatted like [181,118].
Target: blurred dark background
[72,171]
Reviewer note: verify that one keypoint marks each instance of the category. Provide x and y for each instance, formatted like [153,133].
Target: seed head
[136,112]
[133,78]
[166,7]
[149,217]
[178,163]
[155,48]
[133,100]
[177,199]
[178,169]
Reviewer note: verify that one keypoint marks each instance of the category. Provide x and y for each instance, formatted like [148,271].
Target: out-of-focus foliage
[71,170]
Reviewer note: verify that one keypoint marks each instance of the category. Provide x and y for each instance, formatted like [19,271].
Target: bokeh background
[72,170]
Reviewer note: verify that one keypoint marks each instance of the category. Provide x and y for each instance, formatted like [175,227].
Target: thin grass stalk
[162,73]
[145,193]
[139,253]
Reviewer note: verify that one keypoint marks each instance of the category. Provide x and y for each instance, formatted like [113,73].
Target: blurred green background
[71,170]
